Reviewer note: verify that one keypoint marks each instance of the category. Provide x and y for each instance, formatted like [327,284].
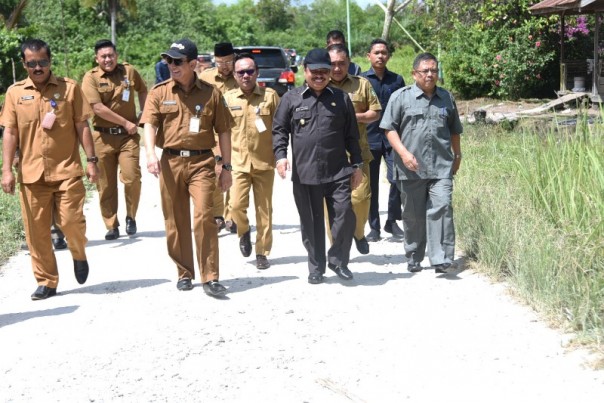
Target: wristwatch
[357,166]
[92,159]
[217,158]
[227,166]
[457,156]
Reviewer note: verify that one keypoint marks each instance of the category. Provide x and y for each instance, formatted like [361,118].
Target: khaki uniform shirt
[170,109]
[251,148]
[213,77]
[363,98]
[49,153]
[108,89]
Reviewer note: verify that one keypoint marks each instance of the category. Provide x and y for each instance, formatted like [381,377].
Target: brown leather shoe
[262,262]
[43,292]
[245,244]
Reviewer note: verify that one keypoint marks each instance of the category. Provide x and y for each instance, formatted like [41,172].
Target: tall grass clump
[529,208]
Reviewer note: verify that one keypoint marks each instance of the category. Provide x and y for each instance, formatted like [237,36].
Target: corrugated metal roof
[567,7]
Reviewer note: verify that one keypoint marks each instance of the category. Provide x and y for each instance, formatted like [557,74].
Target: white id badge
[126,95]
[49,120]
[194,125]
[260,125]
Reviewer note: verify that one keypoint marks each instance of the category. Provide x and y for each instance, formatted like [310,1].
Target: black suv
[274,68]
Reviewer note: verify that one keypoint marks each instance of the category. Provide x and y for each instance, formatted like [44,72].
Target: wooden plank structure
[568,68]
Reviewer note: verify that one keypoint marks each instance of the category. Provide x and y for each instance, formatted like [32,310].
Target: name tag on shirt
[194,125]
[27,97]
[169,102]
[236,108]
[301,108]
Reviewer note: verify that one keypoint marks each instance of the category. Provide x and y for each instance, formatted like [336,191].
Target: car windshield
[268,58]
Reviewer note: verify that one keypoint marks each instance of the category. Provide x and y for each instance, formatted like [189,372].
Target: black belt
[186,153]
[111,130]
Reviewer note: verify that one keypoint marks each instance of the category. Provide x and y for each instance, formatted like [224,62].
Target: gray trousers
[428,219]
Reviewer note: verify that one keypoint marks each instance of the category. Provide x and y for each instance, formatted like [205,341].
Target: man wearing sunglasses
[181,116]
[253,108]
[222,78]
[423,127]
[110,88]
[321,123]
[47,118]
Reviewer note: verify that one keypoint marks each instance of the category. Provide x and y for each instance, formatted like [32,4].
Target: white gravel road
[387,336]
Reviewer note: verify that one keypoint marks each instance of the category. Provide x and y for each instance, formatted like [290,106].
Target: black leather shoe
[184,284]
[392,227]
[316,277]
[214,288]
[442,268]
[219,223]
[373,236]
[342,271]
[231,226]
[413,267]
[59,243]
[362,245]
[262,262]
[43,292]
[112,234]
[245,244]
[80,269]
[130,226]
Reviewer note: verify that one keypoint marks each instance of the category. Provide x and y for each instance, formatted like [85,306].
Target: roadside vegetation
[530,210]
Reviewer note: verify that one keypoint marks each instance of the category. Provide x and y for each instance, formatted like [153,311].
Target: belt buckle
[114,130]
[185,153]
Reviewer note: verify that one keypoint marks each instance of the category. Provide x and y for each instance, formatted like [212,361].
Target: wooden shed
[577,75]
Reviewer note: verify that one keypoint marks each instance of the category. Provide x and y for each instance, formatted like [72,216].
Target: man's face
[32,60]
[426,75]
[107,59]
[339,65]
[181,70]
[246,75]
[379,56]
[224,64]
[316,79]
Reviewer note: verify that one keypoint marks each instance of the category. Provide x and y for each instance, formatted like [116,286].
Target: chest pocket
[302,121]
[357,102]
[237,113]
[27,109]
[169,111]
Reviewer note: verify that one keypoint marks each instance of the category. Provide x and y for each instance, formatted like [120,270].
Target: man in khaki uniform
[109,88]
[222,78]
[253,108]
[367,109]
[46,117]
[181,115]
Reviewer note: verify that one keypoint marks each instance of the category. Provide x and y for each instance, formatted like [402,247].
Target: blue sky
[361,3]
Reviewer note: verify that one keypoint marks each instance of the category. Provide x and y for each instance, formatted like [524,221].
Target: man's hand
[356,178]
[92,172]
[226,180]
[8,182]
[409,161]
[131,128]
[456,165]
[153,166]
[283,167]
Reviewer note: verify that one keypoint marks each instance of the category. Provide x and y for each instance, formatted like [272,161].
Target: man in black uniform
[323,128]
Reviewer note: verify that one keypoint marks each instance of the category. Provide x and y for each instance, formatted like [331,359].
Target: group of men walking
[219,131]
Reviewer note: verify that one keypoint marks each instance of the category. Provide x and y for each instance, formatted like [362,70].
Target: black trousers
[310,203]
[394,196]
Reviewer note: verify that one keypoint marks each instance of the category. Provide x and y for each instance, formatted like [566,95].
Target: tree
[112,5]
[390,10]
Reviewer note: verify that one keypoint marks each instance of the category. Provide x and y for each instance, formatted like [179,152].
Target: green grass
[11,225]
[529,209]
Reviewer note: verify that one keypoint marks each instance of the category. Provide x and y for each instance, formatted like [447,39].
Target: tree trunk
[388,16]
[113,12]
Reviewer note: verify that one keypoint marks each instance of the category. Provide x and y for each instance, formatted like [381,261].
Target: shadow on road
[12,318]
[244,284]
[114,287]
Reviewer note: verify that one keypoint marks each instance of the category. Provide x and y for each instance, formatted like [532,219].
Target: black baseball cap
[318,58]
[182,48]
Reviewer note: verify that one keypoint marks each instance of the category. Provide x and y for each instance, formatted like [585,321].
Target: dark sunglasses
[33,63]
[249,72]
[177,62]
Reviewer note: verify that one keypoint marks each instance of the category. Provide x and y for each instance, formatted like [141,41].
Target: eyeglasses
[320,72]
[228,63]
[249,72]
[177,62]
[426,71]
[33,63]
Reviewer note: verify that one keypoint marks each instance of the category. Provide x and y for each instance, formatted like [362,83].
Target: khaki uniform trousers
[361,201]
[113,151]
[262,183]
[183,179]
[37,203]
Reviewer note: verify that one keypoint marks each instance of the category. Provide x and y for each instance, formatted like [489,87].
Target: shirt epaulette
[19,83]
[67,80]
[163,83]
[406,88]
[204,82]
